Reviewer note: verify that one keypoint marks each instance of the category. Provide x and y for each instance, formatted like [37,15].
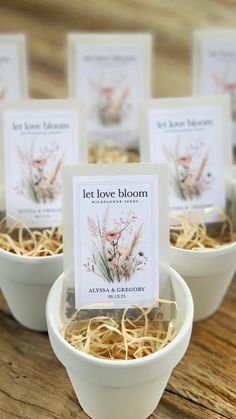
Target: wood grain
[171,22]
[33,385]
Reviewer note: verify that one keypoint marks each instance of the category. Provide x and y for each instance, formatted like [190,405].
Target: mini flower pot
[120,389]
[208,274]
[25,283]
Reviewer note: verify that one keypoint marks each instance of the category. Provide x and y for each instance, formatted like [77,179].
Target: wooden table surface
[33,384]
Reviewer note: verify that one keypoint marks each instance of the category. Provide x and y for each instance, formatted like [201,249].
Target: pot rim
[184,329]
[227,248]
[27,259]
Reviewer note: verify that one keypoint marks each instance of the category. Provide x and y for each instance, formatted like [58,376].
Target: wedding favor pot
[208,274]
[25,282]
[120,389]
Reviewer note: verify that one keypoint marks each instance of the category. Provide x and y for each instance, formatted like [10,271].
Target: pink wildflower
[106,91]
[39,163]
[112,235]
[183,160]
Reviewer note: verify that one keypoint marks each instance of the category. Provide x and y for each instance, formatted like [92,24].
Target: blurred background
[171,22]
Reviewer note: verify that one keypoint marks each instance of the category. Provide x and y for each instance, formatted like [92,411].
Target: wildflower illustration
[227,85]
[40,179]
[190,176]
[111,97]
[116,252]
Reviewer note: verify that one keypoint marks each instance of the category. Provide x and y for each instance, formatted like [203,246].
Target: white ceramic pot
[120,389]
[208,274]
[25,283]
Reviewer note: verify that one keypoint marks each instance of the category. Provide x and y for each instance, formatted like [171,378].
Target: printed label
[9,73]
[218,73]
[111,79]
[37,144]
[116,249]
[189,140]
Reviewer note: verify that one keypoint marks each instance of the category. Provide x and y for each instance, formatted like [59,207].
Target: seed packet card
[39,136]
[112,73]
[13,67]
[116,239]
[191,135]
[214,66]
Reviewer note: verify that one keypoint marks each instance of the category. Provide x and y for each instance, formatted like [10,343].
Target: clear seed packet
[116,245]
[37,138]
[13,67]
[111,72]
[214,67]
[192,136]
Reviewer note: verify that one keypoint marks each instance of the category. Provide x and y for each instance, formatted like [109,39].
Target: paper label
[190,142]
[9,73]
[111,78]
[37,144]
[116,245]
[218,73]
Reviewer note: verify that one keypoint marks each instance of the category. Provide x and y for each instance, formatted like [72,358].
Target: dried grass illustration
[40,172]
[116,252]
[111,100]
[190,176]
